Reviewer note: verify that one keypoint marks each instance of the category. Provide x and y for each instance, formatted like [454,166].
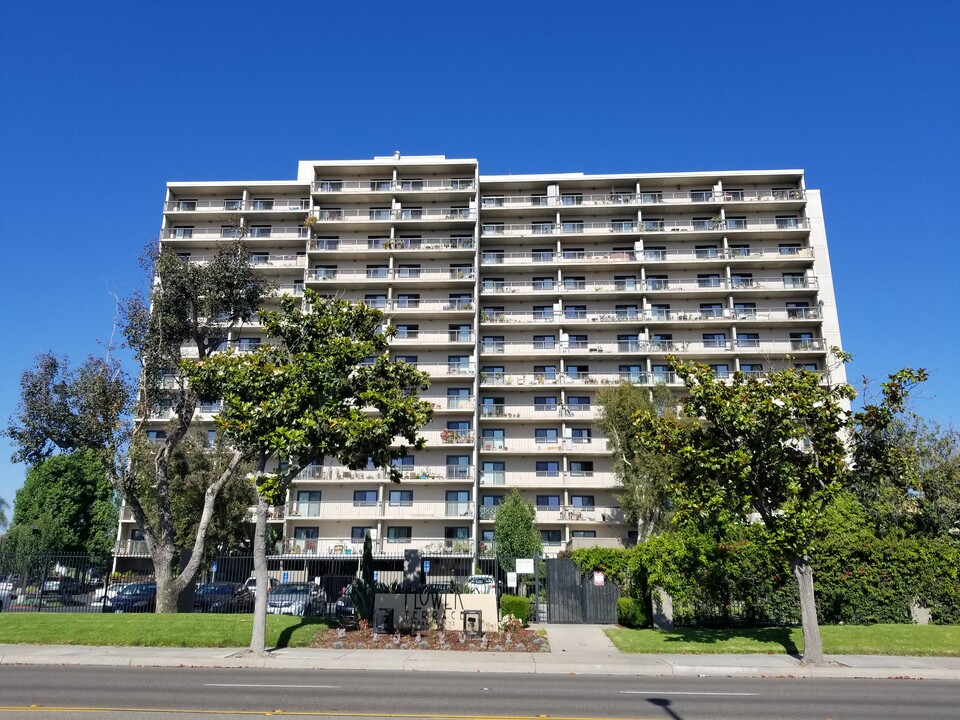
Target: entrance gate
[572,596]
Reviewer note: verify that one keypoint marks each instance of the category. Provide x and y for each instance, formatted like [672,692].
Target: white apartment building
[522,296]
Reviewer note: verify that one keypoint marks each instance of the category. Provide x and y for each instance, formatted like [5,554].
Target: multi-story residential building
[522,296]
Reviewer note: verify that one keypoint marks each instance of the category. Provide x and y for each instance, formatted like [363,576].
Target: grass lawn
[938,640]
[187,630]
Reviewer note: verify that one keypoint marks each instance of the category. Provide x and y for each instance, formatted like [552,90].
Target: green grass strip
[917,640]
[149,630]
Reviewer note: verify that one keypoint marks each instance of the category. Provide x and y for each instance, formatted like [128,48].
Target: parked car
[223,598]
[344,607]
[482,585]
[108,593]
[5,598]
[251,584]
[297,599]
[61,586]
[135,597]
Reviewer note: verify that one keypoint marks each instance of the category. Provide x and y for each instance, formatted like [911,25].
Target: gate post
[536,588]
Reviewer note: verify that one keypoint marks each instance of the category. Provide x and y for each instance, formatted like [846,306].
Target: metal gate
[572,596]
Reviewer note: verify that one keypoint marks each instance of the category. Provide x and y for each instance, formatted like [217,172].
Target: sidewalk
[576,650]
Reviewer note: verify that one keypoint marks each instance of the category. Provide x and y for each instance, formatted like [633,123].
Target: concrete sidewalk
[576,650]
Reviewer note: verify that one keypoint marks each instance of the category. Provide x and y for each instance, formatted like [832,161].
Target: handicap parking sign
[426,566]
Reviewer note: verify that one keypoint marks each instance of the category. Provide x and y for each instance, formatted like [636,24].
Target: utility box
[473,622]
[383,620]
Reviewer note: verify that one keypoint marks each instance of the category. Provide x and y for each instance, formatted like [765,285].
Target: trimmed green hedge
[515,605]
[632,613]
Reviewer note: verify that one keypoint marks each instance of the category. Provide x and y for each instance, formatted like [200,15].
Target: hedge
[515,605]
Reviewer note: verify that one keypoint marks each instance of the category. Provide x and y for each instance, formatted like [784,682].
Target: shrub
[632,613]
[515,605]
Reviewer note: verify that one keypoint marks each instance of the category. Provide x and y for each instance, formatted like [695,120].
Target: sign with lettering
[429,610]
[598,579]
[525,565]
[511,579]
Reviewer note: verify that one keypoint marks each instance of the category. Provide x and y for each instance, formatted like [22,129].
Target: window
[460,272]
[380,185]
[544,373]
[211,437]
[410,359]
[543,312]
[359,533]
[708,280]
[581,468]
[460,301]
[736,223]
[626,312]
[578,402]
[186,205]
[542,228]
[248,344]
[398,534]
[490,201]
[809,367]
[699,196]
[577,342]
[545,403]
[658,282]
[460,333]
[714,340]
[745,310]
[573,254]
[704,252]
[659,311]
[182,232]
[711,310]
[492,407]
[364,498]
[651,196]
[789,248]
[459,364]
[404,462]
[802,341]
[787,222]
[541,255]
[548,468]
[458,467]
[408,300]
[379,213]
[571,199]
[794,280]
[799,309]
[544,342]
[492,473]
[548,502]
[411,213]
[748,340]
[662,373]
[156,435]
[582,501]
[262,204]
[584,533]
[624,282]
[581,435]
[306,533]
[375,301]
[751,368]
[543,283]
[401,497]
[545,435]
[572,226]
[578,371]
[741,280]
[705,223]
[739,251]
[233,204]
[631,373]
[376,271]
[458,502]
[260,231]
[720,370]
[493,344]
[408,271]
[628,343]
[492,229]
[574,283]
[411,184]
[655,253]
[550,537]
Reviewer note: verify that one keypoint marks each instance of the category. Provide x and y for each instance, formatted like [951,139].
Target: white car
[482,585]
[110,592]
[4,599]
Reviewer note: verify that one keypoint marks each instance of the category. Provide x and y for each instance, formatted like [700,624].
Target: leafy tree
[69,501]
[921,496]
[190,311]
[645,474]
[310,395]
[4,506]
[515,531]
[772,446]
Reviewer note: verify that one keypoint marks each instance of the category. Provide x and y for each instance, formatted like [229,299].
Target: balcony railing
[397,244]
[253,233]
[336,510]
[422,473]
[221,205]
[392,274]
[617,227]
[389,215]
[388,186]
[648,227]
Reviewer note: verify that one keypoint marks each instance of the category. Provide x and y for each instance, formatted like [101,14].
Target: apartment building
[522,296]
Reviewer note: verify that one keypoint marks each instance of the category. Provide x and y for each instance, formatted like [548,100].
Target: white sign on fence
[511,580]
[525,565]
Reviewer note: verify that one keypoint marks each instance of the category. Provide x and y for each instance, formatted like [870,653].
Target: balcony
[450,402]
[403,245]
[550,479]
[716,224]
[221,205]
[617,227]
[324,510]
[572,514]
[390,215]
[423,473]
[433,338]
[322,187]
[397,275]
[253,233]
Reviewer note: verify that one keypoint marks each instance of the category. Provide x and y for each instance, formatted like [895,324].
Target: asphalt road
[40,692]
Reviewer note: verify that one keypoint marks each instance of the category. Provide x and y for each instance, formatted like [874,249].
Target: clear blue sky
[101,103]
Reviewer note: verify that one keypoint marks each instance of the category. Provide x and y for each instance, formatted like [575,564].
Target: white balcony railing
[388,186]
[390,215]
[395,245]
[252,233]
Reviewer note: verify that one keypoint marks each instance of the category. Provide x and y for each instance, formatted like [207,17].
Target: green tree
[191,310]
[772,446]
[4,506]
[515,531]
[307,395]
[68,499]
[645,474]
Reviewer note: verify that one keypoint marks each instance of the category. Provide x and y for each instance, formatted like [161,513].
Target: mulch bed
[517,640]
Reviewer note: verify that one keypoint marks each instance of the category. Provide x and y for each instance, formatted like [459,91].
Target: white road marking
[661,692]
[252,685]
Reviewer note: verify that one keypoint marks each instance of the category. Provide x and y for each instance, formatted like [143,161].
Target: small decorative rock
[424,645]
[520,648]
[361,646]
[338,646]
[497,648]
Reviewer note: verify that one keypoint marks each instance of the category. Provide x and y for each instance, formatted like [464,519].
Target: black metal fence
[63,582]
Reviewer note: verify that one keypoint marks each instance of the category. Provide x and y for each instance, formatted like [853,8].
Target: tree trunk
[167,592]
[258,636]
[812,644]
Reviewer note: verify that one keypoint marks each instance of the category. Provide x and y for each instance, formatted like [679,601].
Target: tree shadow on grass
[283,639]
[779,635]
